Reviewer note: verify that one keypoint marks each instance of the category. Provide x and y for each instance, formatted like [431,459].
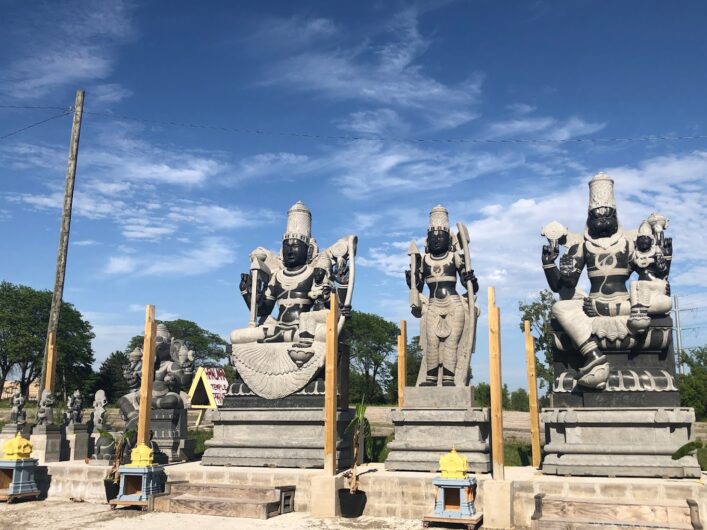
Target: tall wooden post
[141,455]
[330,371]
[46,379]
[496,385]
[532,395]
[402,362]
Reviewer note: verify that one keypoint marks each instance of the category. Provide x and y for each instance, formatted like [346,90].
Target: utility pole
[678,332]
[46,380]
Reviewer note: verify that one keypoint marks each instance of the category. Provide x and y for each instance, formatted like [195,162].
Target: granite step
[226,500]
[568,513]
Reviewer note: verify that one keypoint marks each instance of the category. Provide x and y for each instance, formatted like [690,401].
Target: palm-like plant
[360,427]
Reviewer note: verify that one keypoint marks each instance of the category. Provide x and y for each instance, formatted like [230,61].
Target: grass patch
[517,453]
[200,435]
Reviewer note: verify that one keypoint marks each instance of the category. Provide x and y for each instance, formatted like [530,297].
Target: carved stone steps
[226,500]
[567,513]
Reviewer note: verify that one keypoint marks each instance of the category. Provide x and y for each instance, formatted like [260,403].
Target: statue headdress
[645,229]
[299,223]
[439,218]
[601,192]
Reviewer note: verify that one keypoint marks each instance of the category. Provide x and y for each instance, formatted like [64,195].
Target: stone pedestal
[630,442]
[432,422]
[46,443]
[171,438]
[17,478]
[275,437]
[75,442]
[137,484]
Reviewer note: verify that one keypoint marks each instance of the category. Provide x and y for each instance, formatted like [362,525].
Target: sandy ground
[55,515]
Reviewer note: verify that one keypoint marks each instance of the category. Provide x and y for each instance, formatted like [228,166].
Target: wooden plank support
[402,362]
[532,395]
[496,384]
[142,454]
[330,371]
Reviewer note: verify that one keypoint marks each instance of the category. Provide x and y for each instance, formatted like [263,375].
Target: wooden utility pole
[330,371]
[142,454]
[46,380]
[496,386]
[402,362]
[532,395]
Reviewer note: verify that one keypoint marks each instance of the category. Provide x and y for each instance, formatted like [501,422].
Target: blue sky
[167,214]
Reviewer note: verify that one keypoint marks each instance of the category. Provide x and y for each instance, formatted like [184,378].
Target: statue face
[294,253]
[437,242]
[644,243]
[602,222]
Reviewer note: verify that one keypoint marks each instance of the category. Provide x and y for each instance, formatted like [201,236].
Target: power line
[65,113]
[32,107]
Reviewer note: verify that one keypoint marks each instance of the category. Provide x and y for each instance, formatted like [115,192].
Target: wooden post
[142,454]
[496,384]
[402,362]
[532,395]
[46,379]
[330,371]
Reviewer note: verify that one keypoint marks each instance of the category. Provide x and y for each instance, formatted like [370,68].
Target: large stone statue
[45,410]
[272,414]
[18,414]
[277,356]
[439,413]
[74,412]
[98,416]
[448,322]
[616,409]
[609,317]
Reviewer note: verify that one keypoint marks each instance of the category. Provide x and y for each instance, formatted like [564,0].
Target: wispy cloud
[66,44]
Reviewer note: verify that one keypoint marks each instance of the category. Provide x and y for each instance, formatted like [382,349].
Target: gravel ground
[56,515]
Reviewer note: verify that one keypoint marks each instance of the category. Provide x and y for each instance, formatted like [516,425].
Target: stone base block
[17,477]
[171,436]
[46,443]
[275,437]
[434,420]
[629,442]
[140,483]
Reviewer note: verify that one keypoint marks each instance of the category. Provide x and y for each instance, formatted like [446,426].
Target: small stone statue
[17,414]
[74,414]
[278,356]
[446,330]
[99,411]
[45,411]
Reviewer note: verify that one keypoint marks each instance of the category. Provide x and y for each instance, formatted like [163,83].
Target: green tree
[413,358]
[209,348]
[24,316]
[110,376]
[693,385]
[482,396]
[519,400]
[539,315]
[372,342]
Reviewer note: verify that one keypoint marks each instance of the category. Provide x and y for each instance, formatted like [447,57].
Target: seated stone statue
[446,331]
[18,414]
[45,410]
[277,356]
[609,318]
[74,412]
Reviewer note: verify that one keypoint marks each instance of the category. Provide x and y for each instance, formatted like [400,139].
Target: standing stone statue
[277,356]
[616,407]
[74,414]
[45,410]
[446,331]
[99,411]
[439,414]
[18,414]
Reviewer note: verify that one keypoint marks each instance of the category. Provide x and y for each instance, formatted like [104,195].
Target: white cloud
[121,265]
[69,44]
[108,93]
[379,122]
[543,127]
[85,243]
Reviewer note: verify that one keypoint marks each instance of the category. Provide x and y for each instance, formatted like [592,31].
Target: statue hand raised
[549,255]
[245,284]
[589,308]
[566,265]
[668,246]
[468,276]
[345,311]
[408,279]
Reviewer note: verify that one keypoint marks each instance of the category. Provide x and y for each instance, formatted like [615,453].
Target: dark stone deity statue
[174,371]
[74,412]
[448,322]
[17,413]
[45,410]
[599,336]
[278,355]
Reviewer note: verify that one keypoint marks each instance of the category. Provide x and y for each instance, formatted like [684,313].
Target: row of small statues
[72,415]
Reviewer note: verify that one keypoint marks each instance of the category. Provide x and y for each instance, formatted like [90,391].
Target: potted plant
[352,500]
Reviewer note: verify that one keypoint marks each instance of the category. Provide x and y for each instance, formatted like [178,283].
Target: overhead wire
[30,126]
